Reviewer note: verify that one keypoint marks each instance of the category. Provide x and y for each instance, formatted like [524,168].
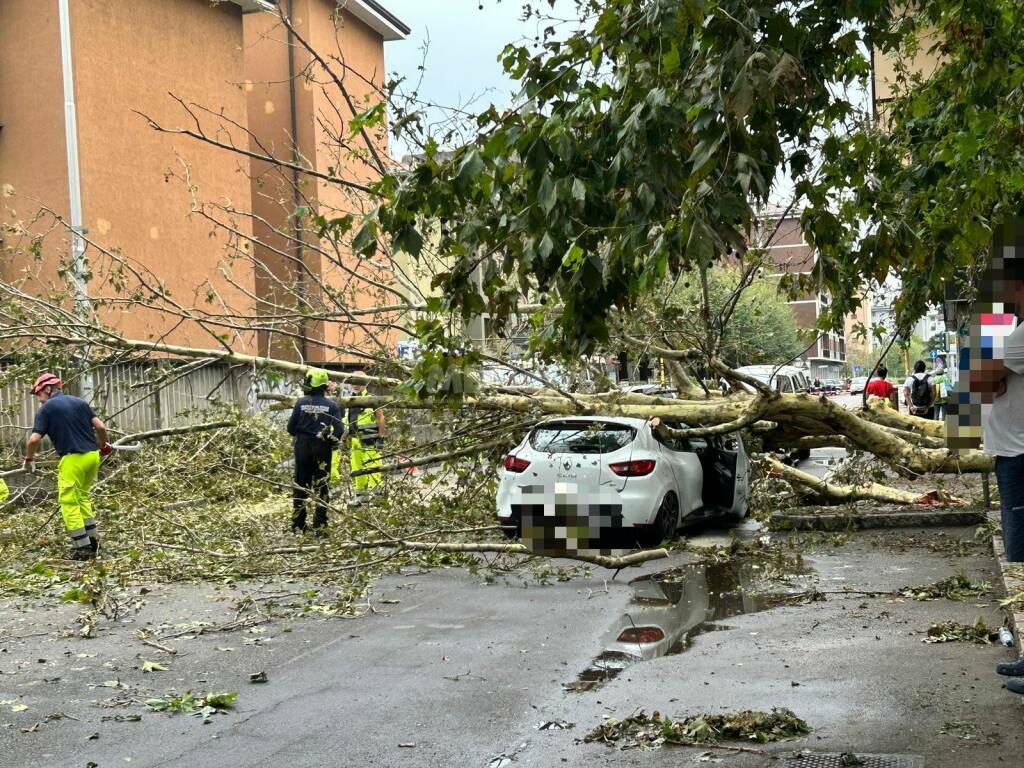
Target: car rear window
[581,437]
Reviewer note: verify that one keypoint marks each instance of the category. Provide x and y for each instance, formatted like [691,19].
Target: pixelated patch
[563,519]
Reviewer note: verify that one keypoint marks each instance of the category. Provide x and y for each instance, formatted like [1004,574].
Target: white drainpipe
[78,266]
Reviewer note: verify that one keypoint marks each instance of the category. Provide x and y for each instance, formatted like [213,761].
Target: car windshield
[581,437]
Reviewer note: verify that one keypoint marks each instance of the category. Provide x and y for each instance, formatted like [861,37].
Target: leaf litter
[656,730]
[957,632]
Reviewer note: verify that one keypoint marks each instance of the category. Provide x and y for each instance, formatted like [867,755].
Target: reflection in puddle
[670,609]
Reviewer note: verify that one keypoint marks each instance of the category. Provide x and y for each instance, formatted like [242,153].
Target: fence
[136,397]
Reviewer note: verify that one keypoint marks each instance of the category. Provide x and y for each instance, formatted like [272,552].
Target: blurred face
[44,394]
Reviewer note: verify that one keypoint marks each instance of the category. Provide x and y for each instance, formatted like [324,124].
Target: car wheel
[665,523]
[744,511]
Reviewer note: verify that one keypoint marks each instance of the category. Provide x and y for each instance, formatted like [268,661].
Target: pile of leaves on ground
[655,730]
[956,587]
[216,506]
[956,632]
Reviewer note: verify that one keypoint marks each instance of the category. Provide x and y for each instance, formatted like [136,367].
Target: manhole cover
[849,760]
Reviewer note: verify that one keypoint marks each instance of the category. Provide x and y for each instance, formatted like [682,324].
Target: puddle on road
[672,608]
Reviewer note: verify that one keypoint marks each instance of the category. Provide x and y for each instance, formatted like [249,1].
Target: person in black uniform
[316,427]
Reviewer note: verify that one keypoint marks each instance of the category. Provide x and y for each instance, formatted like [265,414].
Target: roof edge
[379,18]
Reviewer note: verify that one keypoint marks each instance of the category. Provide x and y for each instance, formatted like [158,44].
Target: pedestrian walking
[366,436]
[919,392]
[80,439]
[316,427]
[943,389]
[879,387]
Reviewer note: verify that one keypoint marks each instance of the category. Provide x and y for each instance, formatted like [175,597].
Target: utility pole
[79,269]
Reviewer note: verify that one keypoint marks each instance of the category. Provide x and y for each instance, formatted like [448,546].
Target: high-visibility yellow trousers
[335,465]
[5,492]
[76,473]
[365,455]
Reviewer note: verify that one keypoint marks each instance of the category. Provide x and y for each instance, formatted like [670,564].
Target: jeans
[940,411]
[1010,478]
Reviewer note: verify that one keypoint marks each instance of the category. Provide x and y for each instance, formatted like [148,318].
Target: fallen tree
[566,222]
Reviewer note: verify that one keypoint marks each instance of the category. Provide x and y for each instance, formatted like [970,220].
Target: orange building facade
[105,68]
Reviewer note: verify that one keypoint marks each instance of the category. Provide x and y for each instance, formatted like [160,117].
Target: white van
[781,378]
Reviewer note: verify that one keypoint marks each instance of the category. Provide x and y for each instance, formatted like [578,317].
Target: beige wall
[33,155]
[321,117]
[128,57]
[884,74]
[272,190]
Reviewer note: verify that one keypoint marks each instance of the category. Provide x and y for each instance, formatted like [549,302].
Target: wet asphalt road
[460,673]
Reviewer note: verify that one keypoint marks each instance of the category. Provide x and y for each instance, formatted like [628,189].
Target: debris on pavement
[956,632]
[654,731]
[956,587]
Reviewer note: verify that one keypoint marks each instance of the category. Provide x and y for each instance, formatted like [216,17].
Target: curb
[1011,585]
[782,521]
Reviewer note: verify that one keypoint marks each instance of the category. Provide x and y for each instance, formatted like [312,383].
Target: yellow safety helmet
[316,378]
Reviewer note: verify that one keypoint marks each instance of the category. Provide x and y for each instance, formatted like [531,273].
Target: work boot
[1016,686]
[320,531]
[81,553]
[1012,668]
[94,545]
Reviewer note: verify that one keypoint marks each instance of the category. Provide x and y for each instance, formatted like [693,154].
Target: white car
[593,482]
[781,378]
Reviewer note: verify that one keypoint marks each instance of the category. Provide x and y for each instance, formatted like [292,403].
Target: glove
[29,465]
[106,450]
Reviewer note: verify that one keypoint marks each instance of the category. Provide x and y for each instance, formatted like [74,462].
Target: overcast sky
[464,39]
[464,43]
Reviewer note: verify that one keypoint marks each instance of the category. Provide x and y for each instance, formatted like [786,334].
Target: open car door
[727,476]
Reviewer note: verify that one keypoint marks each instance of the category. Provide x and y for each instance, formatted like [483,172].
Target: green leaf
[579,190]
[222,700]
[546,195]
[670,60]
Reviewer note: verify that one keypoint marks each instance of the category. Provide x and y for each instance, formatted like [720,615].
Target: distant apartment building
[789,253]
[76,76]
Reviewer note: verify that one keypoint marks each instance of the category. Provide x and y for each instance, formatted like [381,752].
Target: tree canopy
[646,141]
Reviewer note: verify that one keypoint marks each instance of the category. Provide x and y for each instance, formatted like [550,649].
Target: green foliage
[642,145]
[956,587]
[761,329]
[957,632]
[641,730]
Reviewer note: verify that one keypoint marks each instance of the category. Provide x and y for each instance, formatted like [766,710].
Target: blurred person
[919,392]
[879,387]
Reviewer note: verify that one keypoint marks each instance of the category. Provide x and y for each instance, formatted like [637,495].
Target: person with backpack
[919,392]
[943,389]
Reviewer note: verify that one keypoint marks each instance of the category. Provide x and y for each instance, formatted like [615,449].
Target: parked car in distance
[781,378]
[830,386]
[618,481]
[857,384]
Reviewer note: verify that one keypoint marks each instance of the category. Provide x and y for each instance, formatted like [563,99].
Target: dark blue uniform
[67,421]
[316,416]
[317,426]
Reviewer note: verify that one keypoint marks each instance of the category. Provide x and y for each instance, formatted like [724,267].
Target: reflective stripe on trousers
[365,455]
[76,473]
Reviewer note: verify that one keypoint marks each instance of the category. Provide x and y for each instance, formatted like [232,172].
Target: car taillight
[515,464]
[637,468]
[641,635]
